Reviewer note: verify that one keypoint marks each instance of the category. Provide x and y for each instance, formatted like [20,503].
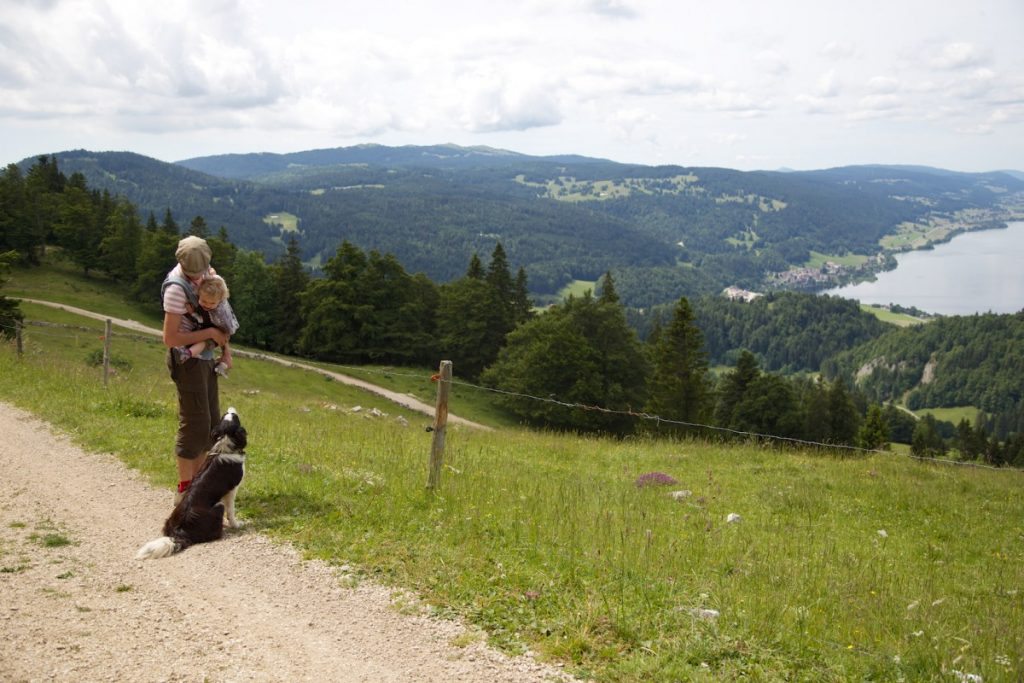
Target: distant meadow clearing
[614,557]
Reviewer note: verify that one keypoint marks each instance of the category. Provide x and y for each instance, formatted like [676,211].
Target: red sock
[183,485]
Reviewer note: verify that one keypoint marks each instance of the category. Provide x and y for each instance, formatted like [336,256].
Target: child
[216,312]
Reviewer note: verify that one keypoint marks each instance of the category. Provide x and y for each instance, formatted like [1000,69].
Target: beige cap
[194,255]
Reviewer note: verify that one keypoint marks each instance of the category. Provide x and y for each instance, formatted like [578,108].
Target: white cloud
[612,78]
[611,8]
[883,85]
[958,56]
[828,84]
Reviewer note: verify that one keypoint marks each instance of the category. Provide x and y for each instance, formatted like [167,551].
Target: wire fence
[569,405]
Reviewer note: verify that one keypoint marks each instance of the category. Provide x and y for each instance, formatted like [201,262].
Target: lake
[975,272]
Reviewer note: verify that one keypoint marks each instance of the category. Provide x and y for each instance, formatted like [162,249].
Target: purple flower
[655,479]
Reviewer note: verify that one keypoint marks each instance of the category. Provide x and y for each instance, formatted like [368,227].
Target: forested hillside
[666,231]
[787,331]
[578,365]
[973,360]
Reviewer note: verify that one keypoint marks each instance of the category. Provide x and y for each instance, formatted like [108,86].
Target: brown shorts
[198,404]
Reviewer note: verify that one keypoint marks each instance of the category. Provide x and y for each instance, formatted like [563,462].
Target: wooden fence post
[17,337]
[444,383]
[106,352]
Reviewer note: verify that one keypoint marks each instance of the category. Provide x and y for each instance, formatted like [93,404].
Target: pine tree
[843,418]
[680,387]
[10,312]
[290,281]
[476,268]
[734,385]
[522,306]
[874,433]
[608,293]
[198,227]
[119,250]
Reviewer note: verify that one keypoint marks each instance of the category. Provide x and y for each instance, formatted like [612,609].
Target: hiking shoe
[221,369]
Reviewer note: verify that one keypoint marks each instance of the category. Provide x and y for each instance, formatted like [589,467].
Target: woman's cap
[194,255]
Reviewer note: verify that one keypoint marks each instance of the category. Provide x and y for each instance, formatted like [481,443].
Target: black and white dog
[199,516]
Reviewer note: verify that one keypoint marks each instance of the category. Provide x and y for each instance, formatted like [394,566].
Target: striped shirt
[176,301]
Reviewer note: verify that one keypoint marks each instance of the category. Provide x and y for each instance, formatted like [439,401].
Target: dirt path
[404,400]
[76,606]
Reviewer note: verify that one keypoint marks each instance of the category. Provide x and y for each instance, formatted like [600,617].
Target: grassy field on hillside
[887,316]
[857,567]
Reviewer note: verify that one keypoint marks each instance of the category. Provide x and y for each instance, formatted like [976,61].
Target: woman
[195,379]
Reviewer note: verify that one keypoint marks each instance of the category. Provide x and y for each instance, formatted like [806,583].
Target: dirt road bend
[76,606]
[404,400]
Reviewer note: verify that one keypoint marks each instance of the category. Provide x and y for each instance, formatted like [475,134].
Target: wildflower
[709,614]
[655,479]
[883,533]
[967,678]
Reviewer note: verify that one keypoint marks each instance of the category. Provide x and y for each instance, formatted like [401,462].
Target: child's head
[212,290]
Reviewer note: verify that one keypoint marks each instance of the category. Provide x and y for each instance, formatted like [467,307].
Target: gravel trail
[76,606]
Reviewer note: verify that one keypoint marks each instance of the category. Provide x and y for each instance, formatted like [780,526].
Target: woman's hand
[218,336]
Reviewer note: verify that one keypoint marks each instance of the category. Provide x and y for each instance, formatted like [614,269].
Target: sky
[743,84]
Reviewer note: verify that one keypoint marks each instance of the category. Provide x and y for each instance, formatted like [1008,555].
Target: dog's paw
[236,525]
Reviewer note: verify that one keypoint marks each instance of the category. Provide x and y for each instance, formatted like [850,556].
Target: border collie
[199,516]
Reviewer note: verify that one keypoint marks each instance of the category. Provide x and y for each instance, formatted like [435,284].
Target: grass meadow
[864,567]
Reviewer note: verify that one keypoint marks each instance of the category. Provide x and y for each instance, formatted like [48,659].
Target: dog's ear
[239,438]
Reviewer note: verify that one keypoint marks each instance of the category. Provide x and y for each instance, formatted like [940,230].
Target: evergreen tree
[769,407]
[608,293]
[44,186]
[522,306]
[462,315]
[10,313]
[222,254]
[16,231]
[843,418]
[78,229]
[156,259]
[290,280]
[331,308]
[252,298]
[476,268]
[169,225]
[198,228]
[119,250]
[679,387]
[813,397]
[733,387]
[874,433]
[501,315]
[926,441]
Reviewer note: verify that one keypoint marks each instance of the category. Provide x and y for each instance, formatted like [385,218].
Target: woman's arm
[174,337]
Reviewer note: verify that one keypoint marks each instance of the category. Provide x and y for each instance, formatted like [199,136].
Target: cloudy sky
[746,84]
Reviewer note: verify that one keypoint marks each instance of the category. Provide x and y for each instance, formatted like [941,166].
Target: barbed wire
[573,405]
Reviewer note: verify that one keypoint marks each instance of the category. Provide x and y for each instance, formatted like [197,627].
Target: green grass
[886,316]
[818,259]
[543,541]
[288,222]
[577,288]
[954,415]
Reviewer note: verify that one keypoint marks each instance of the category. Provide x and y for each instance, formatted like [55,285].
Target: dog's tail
[165,546]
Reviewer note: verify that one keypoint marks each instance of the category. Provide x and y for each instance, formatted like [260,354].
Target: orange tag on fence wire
[434,378]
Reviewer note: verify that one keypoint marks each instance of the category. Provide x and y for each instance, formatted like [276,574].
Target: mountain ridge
[667,230]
